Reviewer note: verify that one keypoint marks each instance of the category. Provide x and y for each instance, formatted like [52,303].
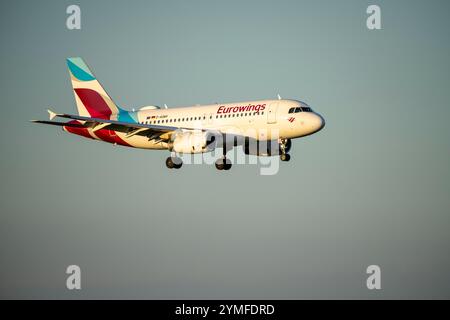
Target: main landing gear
[174,163]
[224,163]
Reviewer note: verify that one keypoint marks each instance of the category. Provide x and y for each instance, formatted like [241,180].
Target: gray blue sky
[371,188]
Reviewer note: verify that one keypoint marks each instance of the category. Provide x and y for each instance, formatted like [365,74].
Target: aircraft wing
[160,133]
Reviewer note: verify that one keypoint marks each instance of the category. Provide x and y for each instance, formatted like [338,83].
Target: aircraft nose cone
[318,123]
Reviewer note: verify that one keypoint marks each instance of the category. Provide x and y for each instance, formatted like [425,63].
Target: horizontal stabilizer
[55,123]
[127,125]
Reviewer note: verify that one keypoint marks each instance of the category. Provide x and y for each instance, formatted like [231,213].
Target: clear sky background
[371,188]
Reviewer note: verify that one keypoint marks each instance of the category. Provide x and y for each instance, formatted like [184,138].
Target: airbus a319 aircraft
[263,128]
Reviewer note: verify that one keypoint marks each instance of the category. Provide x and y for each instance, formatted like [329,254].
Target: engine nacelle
[193,141]
[265,148]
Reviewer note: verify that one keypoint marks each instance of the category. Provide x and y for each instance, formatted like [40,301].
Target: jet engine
[192,141]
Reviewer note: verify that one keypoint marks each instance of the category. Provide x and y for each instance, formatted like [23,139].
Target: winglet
[165,106]
[279,97]
[52,114]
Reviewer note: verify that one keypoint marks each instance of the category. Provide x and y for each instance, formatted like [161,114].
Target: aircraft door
[272,112]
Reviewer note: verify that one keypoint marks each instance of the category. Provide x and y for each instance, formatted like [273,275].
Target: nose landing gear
[285,146]
[285,157]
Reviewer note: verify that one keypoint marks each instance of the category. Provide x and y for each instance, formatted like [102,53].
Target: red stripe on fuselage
[94,103]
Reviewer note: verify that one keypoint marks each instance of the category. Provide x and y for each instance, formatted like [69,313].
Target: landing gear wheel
[177,162]
[227,164]
[285,157]
[174,163]
[223,164]
[220,165]
[169,163]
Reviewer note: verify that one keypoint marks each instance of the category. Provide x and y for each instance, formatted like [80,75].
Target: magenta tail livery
[263,128]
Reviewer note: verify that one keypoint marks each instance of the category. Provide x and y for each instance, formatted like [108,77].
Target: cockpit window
[300,109]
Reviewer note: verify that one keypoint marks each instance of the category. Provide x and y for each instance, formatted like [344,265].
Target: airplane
[263,127]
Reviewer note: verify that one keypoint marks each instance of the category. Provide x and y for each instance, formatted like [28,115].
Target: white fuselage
[260,120]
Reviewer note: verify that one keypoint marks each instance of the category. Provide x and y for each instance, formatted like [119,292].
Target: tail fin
[92,100]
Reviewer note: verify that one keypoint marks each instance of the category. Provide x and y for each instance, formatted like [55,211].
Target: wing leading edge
[131,129]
